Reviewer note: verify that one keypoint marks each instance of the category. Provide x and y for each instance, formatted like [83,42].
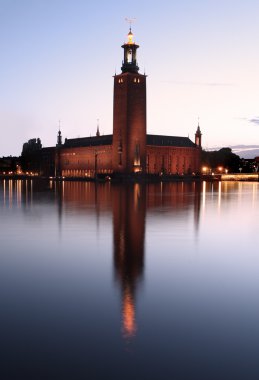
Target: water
[129,282]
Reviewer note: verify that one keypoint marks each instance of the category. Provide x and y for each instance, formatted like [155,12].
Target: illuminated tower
[129,114]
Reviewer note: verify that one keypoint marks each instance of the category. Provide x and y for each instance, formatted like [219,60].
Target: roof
[155,140]
[177,141]
[88,141]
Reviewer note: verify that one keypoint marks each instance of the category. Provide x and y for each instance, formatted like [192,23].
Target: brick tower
[129,114]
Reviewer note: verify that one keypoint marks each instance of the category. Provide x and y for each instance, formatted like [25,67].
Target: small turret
[59,138]
[198,135]
[97,131]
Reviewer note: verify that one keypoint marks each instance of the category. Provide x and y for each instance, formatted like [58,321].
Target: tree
[223,157]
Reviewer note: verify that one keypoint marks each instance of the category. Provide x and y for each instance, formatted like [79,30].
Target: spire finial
[129,64]
[98,131]
[130,21]
[130,34]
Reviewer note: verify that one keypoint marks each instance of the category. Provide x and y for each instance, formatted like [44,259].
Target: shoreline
[147,178]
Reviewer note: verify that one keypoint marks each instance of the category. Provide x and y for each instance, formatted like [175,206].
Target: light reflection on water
[149,281]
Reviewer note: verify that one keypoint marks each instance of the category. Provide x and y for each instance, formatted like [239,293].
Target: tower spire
[129,63]
[97,131]
[130,21]
[198,135]
[59,137]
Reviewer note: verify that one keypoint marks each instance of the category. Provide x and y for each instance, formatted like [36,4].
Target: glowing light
[130,38]
[240,177]
[129,325]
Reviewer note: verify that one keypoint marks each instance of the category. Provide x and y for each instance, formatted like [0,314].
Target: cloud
[254,120]
[208,84]
[215,84]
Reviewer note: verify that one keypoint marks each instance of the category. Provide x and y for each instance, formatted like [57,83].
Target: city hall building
[129,149]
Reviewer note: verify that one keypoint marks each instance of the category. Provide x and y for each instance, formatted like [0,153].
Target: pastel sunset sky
[58,58]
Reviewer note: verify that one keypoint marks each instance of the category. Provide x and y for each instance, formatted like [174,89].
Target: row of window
[136,80]
[84,173]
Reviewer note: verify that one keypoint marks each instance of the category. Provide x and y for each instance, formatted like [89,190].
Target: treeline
[224,158]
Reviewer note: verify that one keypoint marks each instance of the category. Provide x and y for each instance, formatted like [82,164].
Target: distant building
[35,159]
[249,165]
[9,165]
[33,145]
[129,149]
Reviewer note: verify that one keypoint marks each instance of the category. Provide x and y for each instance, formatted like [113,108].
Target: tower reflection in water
[129,210]
[130,205]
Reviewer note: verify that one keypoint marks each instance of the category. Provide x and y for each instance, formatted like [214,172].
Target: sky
[58,58]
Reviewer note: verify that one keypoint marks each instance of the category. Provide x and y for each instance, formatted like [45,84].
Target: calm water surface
[129,282]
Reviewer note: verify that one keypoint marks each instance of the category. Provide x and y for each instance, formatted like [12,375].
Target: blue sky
[58,58]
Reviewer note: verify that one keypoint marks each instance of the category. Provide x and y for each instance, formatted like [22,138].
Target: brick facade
[172,160]
[86,161]
[129,123]
[129,149]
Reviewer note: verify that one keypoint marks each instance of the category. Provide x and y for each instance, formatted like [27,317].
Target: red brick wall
[129,122]
[172,160]
[83,161]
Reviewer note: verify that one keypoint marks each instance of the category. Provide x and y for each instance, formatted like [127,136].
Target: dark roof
[156,140]
[178,141]
[48,148]
[88,141]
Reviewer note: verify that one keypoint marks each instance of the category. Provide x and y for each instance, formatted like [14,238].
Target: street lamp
[204,169]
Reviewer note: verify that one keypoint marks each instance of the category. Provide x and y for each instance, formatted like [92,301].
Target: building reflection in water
[19,193]
[129,205]
[129,210]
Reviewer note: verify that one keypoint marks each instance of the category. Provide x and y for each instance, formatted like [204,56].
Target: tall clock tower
[129,114]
